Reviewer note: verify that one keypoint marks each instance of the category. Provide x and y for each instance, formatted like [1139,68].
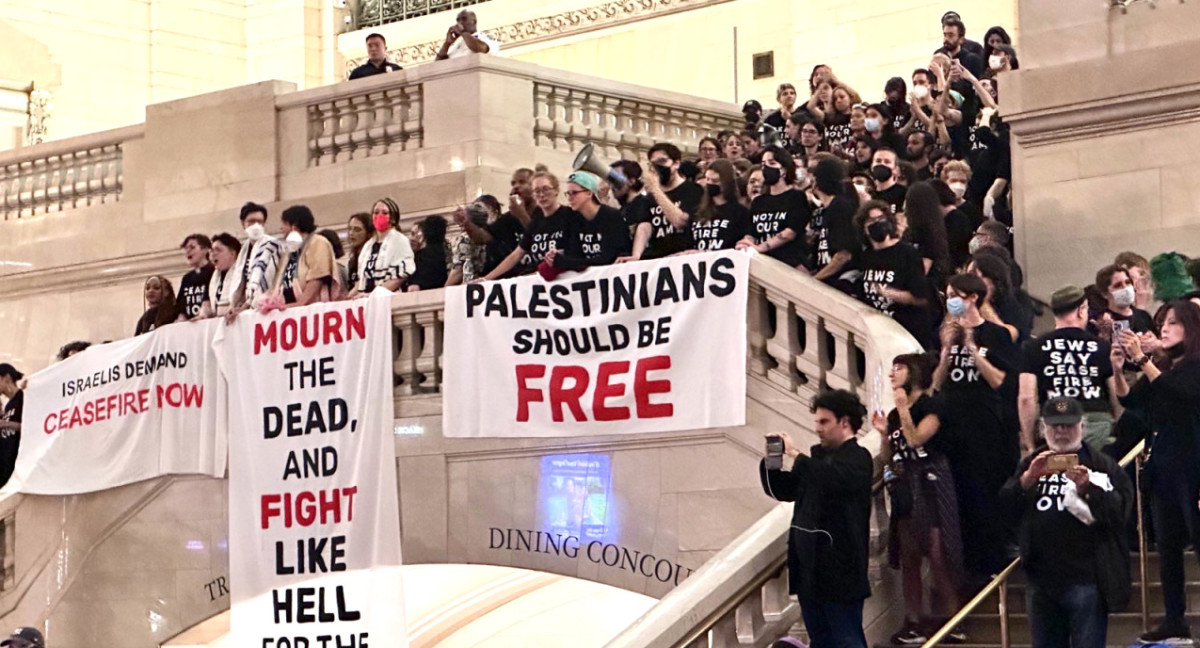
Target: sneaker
[956,636]
[909,635]
[1170,633]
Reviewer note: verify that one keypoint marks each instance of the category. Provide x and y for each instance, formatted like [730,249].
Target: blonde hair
[958,166]
[547,175]
[782,87]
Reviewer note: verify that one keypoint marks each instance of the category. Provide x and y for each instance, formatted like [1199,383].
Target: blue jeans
[834,625]
[1073,617]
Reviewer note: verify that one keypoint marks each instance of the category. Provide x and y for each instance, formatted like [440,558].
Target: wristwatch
[1142,362]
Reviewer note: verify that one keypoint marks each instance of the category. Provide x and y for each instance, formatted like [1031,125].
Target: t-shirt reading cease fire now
[193,291]
[665,238]
[729,224]
[1070,362]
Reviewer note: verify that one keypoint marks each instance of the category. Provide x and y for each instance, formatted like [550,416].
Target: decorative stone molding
[567,23]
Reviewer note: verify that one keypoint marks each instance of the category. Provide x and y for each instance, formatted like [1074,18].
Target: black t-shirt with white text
[544,234]
[894,196]
[1070,362]
[898,267]
[730,223]
[193,291]
[770,214]
[636,209]
[833,232]
[599,241]
[506,233]
[10,440]
[1061,548]
[665,238]
[904,454]
[965,386]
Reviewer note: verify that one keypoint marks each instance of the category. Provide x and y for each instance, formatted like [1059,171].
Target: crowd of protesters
[903,204]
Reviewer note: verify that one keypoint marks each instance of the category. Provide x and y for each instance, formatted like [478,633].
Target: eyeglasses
[571,194]
[543,191]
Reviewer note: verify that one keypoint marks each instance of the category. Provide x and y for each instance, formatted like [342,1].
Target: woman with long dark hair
[359,230]
[927,231]
[722,220]
[1001,306]
[1169,396]
[159,299]
[924,505]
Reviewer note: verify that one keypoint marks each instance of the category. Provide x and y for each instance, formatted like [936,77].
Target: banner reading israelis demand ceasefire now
[123,412]
[653,346]
[314,528]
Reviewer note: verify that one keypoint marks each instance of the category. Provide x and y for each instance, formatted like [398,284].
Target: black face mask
[771,176]
[713,190]
[879,231]
[664,174]
[881,173]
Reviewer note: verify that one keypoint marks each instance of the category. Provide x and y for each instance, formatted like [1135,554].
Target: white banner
[654,346]
[314,527]
[125,411]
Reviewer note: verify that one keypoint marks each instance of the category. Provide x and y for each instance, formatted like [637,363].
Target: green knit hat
[1171,278]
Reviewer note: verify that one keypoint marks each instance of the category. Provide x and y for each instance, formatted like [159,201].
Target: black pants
[1177,525]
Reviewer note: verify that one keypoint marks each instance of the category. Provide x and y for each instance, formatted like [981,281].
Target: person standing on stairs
[828,540]
[1168,392]
[1072,502]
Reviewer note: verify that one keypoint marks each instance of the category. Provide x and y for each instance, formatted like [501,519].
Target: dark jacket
[1110,510]
[368,69]
[831,521]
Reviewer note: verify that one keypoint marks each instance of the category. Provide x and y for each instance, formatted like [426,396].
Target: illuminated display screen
[573,495]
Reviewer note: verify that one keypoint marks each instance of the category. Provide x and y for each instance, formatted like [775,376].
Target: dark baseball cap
[1067,299]
[1062,411]
[752,105]
[10,371]
[25,637]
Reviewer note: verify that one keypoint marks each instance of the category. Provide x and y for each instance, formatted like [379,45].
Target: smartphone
[1062,462]
[1117,327]
[774,458]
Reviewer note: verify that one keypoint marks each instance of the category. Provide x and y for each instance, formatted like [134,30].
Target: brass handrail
[1000,581]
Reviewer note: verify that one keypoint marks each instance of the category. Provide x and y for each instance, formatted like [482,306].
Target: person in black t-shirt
[631,196]
[193,288]
[721,221]
[159,298]
[377,61]
[430,266]
[786,95]
[10,419]
[835,244]
[1072,533]
[926,231]
[885,169]
[779,217]
[675,201]
[954,34]
[600,235]
[551,224]
[503,235]
[1116,285]
[917,150]
[976,357]
[1068,362]
[893,277]
[924,505]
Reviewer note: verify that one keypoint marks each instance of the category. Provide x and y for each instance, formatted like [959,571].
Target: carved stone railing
[370,124]
[620,127]
[64,175]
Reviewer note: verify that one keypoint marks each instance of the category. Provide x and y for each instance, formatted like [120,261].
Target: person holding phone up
[827,544]
[1168,392]
[1072,502]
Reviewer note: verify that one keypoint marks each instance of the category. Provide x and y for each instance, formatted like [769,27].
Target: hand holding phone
[1061,462]
[774,459]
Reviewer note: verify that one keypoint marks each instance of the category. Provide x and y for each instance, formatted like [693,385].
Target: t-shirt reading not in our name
[771,214]
[1073,363]
[599,241]
[665,238]
[546,233]
[193,291]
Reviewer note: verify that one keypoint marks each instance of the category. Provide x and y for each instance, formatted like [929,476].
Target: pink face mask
[381,222]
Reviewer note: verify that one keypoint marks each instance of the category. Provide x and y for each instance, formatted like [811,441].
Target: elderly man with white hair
[1072,503]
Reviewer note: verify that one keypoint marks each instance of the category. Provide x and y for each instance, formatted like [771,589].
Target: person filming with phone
[828,540]
[1072,502]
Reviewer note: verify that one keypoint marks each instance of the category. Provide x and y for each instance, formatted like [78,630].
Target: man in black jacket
[1072,503]
[827,545]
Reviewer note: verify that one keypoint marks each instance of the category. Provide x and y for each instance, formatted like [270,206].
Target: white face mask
[872,124]
[1124,296]
[293,241]
[995,62]
[959,188]
[920,92]
[974,245]
[255,232]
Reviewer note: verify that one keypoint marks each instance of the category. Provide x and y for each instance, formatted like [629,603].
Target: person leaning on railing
[1072,502]
[1169,396]
[10,419]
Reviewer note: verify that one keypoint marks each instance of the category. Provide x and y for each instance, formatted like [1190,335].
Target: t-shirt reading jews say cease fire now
[898,267]
[545,233]
[193,291]
[1073,363]
[665,238]
[730,223]
[772,214]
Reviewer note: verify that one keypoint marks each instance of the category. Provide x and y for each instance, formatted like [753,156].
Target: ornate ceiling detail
[557,25]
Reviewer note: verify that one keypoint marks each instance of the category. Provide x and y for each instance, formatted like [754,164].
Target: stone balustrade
[365,125]
[65,175]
